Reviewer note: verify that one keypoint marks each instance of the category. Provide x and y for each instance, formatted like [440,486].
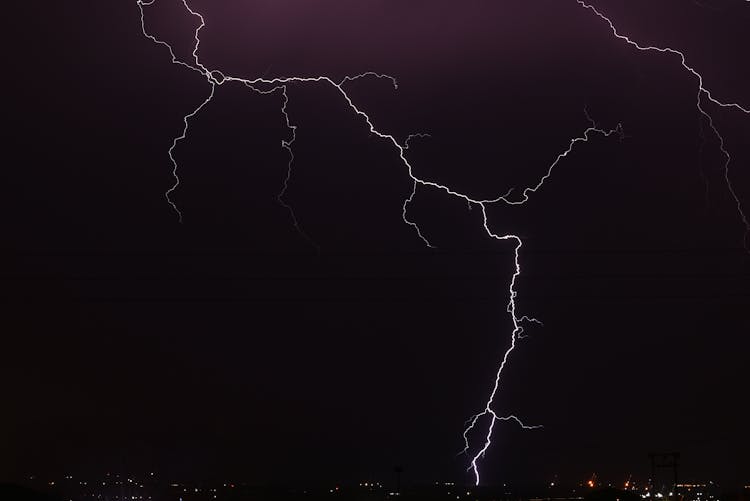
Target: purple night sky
[227,346]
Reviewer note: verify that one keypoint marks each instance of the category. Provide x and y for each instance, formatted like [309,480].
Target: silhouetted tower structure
[664,460]
[398,471]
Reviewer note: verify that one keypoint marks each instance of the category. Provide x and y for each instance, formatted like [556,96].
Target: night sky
[228,347]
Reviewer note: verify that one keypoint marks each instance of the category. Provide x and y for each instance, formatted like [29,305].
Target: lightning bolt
[518,329]
[263,85]
[702,93]
[488,417]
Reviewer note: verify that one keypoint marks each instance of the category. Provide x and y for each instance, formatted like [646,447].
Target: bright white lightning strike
[216,78]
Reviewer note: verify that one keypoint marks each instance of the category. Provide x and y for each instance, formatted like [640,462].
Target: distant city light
[132,489]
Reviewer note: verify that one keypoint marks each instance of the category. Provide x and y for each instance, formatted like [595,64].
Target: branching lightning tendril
[488,417]
[702,92]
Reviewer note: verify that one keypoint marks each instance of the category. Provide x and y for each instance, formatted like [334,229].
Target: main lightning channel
[262,85]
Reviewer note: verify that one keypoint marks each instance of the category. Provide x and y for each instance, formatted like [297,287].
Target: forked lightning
[484,421]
